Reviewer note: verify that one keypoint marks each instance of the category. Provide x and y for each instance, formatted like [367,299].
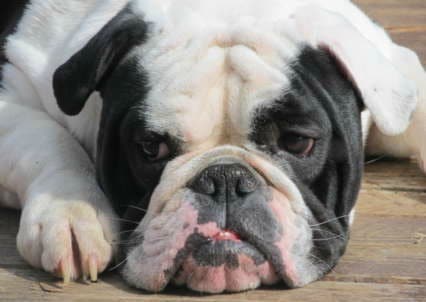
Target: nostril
[246,185]
[209,186]
[204,185]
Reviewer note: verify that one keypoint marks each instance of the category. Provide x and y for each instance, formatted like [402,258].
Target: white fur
[412,142]
[42,162]
[221,57]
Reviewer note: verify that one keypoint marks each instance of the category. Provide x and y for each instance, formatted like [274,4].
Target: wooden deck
[386,257]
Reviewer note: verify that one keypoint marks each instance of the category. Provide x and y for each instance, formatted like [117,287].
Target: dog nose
[225,182]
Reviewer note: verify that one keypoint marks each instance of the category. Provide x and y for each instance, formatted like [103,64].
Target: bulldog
[217,145]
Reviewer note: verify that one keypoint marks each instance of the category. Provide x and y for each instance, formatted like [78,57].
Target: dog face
[237,149]
[249,197]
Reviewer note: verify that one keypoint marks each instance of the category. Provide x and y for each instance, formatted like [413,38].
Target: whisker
[325,231]
[125,241]
[125,220]
[327,221]
[118,265]
[374,160]
[321,261]
[124,232]
[124,244]
[330,238]
[138,208]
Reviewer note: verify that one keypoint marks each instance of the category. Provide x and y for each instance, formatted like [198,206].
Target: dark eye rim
[153,138]
[306,152]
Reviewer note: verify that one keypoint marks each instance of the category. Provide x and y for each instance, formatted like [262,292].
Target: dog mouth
[226,235]
[222,262]
[257,247]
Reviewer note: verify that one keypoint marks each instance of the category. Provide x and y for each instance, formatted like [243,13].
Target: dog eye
[154,150]
[296,144]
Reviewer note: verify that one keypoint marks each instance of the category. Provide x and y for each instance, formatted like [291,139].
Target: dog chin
[175,248]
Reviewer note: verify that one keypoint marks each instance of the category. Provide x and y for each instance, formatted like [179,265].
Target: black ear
[84,72]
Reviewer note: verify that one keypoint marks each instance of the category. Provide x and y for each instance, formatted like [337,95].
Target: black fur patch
[88,69]
[321,102]
[11,13]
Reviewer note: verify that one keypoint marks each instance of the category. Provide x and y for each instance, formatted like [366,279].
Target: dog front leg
[67,226]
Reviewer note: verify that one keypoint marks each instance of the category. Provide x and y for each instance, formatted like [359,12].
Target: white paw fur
[70,239]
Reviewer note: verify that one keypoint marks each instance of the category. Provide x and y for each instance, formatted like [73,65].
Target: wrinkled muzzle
[232,226]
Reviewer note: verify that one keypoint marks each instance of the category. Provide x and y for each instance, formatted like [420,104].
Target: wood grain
[36,287]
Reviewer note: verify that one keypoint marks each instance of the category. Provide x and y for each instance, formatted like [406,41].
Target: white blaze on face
[205,85]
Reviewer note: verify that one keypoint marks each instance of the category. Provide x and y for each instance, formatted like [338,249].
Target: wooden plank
[386,242]
[393,167]
[403,176]
[393,188]
[39,286]
[389,203]
[384,250]
[395,13]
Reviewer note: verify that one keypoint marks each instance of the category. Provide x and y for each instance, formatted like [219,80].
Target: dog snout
[225,182]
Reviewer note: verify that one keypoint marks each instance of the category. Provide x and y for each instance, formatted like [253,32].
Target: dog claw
[66,273]
[93,269]
[85,278]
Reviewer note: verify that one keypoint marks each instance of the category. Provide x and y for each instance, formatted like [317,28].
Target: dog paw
[69,239]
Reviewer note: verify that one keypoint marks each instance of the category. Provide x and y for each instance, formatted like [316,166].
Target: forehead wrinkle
[266,40]
[203,74]
[251,67]
[205,89]
[166,66]
[191,98]
[259,82]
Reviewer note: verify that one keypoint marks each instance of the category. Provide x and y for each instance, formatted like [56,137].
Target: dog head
[234,142]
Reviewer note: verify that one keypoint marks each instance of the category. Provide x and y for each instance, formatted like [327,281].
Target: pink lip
[226,235]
